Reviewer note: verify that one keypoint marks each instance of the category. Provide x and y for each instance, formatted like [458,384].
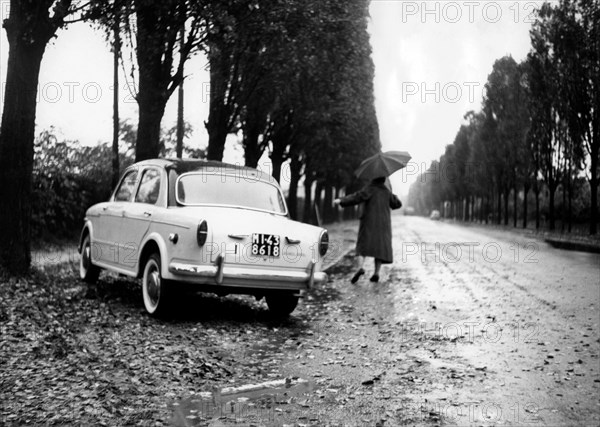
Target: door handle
[147,214]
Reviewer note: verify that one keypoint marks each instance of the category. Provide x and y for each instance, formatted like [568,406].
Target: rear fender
[156,239]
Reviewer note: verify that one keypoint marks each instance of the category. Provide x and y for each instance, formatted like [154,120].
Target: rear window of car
[221,189]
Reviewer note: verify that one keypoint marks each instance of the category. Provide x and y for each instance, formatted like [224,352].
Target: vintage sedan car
[206,226]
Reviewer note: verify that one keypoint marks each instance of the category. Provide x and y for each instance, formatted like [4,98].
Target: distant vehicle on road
[213,226]
[409,210]
[435,215]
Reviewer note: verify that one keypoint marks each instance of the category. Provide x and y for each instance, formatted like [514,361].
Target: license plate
[265,245]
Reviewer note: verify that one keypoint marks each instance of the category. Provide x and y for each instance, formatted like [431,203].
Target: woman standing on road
[375,229]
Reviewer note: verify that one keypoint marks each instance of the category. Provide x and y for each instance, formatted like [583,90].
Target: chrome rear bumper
[221,273]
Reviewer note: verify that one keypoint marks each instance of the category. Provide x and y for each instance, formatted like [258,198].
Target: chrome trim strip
[193,270]
[220,273]
[238,236]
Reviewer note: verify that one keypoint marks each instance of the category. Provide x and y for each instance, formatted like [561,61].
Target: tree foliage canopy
[538,126]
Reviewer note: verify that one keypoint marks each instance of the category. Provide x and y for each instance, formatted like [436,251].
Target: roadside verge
[573,244]
[342,239]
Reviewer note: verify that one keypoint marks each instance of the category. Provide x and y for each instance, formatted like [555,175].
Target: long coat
[375,230]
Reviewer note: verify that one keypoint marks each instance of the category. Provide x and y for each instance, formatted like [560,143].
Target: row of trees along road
[537,131]
[295,77]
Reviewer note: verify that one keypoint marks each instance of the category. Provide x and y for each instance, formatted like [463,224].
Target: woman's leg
[375,276]
[361,261]
[377,265]
[361,271]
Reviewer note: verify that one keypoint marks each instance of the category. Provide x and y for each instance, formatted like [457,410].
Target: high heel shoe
[374,278]
[356,276]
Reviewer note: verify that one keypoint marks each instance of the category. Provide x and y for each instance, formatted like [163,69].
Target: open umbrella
[382,164]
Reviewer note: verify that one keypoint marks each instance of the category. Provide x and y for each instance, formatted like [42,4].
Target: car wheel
[154,287]
[281,304]
[88,272]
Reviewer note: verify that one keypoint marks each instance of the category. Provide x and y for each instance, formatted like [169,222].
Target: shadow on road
[243,310]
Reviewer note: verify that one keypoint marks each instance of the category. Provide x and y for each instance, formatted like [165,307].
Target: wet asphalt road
[468,326]
[518,310]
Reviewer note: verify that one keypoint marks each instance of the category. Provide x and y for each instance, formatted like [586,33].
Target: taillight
[202,233]
[323,243]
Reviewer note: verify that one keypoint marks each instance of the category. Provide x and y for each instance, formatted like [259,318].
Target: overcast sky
[431,60]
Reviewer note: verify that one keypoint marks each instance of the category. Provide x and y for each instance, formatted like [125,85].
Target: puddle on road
[252,401]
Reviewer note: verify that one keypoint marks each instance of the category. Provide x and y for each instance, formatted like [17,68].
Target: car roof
[181,166]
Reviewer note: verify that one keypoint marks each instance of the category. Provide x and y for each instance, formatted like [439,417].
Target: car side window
[126,188]
[149,187]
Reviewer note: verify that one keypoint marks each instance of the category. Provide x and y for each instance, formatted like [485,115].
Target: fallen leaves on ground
[73,354]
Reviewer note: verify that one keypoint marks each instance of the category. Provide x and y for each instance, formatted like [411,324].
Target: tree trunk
[218,116]
[180,123]
[27,46]
[506,194]
[499,218]
[537,206]
[525,193]
[564,205]
[252,152]
[483,210]
[594,185]
[155,80]
[277,158]
[295,168]
[318,205]
[515,196]
[307,210]
[336,209]
[536,191]
[116,54]
[151,110]
[328,211]
[570,201]
[467,208]
[348,213]
[552,190]
[471,208]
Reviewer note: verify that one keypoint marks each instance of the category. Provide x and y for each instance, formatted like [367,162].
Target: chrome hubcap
[153,285]
[86,257]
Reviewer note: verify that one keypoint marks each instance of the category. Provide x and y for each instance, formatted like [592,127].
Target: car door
[112,217]
[138,216]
